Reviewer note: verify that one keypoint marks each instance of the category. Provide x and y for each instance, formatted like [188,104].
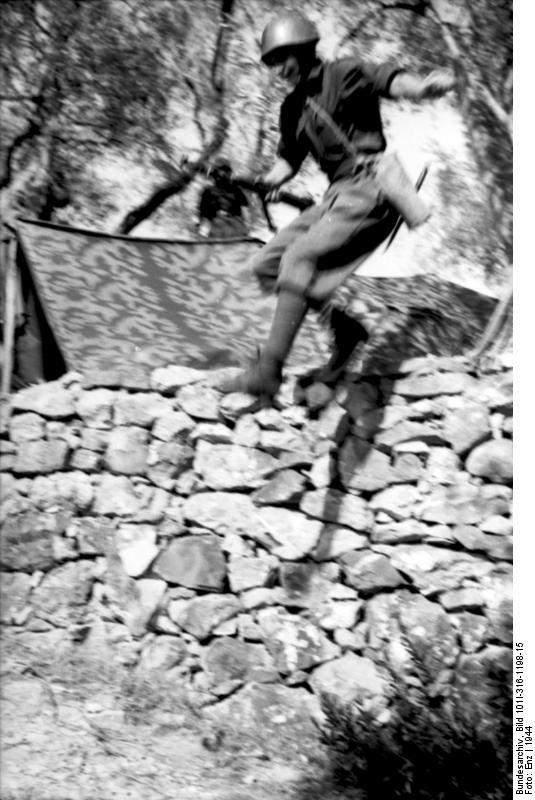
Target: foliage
[82,76]
[435,746]
[165,85]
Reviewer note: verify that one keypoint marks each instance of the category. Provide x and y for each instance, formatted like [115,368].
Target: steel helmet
[285,31]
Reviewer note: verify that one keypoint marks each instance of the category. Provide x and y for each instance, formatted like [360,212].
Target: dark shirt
[349,91]
[221,199]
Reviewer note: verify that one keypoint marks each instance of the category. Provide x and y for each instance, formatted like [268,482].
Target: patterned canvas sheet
[113,300]
[118,301]
[413,316]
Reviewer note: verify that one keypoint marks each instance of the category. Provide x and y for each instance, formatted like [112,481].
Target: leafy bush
[433,747]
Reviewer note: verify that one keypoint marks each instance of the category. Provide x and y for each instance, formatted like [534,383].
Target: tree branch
[499,113]
[197,107]
[221,47]
[33,129]
[421,7]
[184,178]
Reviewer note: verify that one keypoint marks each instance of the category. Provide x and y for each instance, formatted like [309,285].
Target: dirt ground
[76,730]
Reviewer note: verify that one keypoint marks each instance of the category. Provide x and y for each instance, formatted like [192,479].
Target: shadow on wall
[438,742]
[408,318]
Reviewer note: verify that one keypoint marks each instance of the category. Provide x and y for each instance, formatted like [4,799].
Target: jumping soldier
[332,113]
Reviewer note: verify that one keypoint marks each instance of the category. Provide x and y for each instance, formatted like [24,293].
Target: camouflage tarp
[112,301]
[115,301]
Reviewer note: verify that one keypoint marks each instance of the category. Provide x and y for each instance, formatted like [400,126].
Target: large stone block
[331,505]
[193,561]
[370,572]
[224,513]
[169,379]
[167,460]
[459,504]
[306,585]
[295,535]
[443,466]
[409,530]
[399,502]
[232,466]
[286,488]
[430,633]
[363,467]
[136,546]
[227,659]
[407,468]
[269,711]
[213,432]
[41,456]
[62,489]
[199,404]
[411,431]
[467,427]
[115,496]
[95,407]
[26,427]
[294,642]
[94,535]
[202,614]
[435,569]
[49,400]
[492,460]
[27,541]
[140,408]
[127,450]
[351,679]
[335,541]
[15,588]
[333,423]
[62,596]
[173,425]
[361,398]
[85,460]
[143,609]
[433,385]
[163,653]
[250,572]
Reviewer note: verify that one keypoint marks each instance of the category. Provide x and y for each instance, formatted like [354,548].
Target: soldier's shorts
[328,241]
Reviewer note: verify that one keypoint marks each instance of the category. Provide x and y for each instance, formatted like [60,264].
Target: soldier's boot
[264,376]
[347,333]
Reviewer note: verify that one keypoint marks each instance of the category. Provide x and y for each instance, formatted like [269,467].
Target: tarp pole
[10,300]
[494,324]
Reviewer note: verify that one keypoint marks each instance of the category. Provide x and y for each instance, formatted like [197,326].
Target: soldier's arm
[281,172]
[407,85]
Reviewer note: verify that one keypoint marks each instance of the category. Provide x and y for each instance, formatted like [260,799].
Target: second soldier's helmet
[220,168]
[286,30]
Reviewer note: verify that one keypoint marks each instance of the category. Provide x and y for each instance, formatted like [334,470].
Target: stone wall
[317,545]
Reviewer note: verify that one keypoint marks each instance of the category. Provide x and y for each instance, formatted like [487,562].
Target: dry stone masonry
[266,554]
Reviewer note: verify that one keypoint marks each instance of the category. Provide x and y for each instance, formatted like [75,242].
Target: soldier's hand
[273,195]
[270,192]
[439,82]
[280,173]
